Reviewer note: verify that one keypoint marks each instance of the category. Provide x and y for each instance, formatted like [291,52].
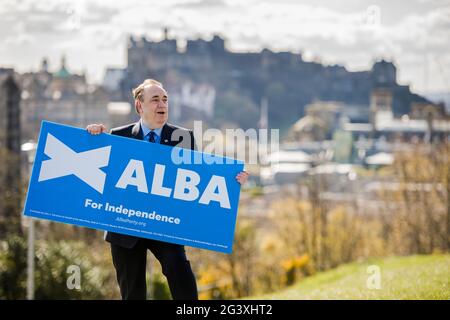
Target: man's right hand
[96,128]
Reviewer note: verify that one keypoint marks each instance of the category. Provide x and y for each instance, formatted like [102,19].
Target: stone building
[62,97]
[10,165]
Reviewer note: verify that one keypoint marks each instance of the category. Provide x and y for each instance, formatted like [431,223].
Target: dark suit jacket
[184,139]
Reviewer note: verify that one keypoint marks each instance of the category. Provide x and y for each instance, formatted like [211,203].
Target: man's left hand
[242,177]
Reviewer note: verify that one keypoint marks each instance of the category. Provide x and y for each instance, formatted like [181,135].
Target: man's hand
[242,177]
[96,128]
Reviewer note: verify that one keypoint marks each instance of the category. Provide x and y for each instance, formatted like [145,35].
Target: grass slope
[412,277]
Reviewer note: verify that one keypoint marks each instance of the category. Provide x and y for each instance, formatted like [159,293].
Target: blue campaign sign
[134,187]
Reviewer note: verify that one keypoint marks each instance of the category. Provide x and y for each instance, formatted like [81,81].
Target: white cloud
[93,33]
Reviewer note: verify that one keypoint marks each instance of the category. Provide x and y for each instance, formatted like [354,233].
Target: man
[129,254]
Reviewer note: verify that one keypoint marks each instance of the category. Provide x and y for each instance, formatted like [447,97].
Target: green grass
[412,277]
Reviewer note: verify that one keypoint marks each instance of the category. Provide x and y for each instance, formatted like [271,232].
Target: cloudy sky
[92,34]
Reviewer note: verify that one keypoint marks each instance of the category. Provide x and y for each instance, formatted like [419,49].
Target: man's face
[154,109]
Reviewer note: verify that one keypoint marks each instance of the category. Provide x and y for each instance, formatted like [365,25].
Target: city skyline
[93,34]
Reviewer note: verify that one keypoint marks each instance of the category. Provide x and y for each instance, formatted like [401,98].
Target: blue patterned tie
[151,136]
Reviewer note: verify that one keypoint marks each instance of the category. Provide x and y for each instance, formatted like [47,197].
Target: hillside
[413,277]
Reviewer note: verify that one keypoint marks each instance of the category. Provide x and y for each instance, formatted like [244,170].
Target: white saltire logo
[84,165]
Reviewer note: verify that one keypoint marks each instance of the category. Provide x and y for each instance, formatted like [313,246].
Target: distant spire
[63,72]
[166,33]
[131,41]
[44,65]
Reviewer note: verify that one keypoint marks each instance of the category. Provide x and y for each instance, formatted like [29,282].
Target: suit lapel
[136,132]
[166,134]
